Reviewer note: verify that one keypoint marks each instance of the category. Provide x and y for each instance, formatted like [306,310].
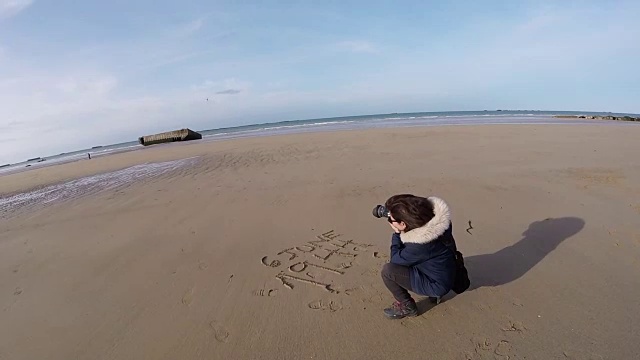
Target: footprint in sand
[324,305]
[351,291]
[219,331]
[187,298]
[487,349]
[202,266]
[334,306]
[412,322]
[516,326]
[315,305]
[265,292]
[17,291]
[483,344]
[503,349]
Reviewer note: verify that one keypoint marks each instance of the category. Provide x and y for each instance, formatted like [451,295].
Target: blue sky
[75,74]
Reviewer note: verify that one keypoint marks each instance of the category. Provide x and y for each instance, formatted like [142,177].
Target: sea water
[77,188]
[448,118]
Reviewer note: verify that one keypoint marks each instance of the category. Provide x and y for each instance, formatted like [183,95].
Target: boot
[399,310]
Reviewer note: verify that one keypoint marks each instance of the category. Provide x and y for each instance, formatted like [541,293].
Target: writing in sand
[314,255]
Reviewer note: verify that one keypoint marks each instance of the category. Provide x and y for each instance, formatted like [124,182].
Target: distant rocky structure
[170,136]
[599,117]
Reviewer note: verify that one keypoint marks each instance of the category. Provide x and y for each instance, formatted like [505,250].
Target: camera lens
[380,211]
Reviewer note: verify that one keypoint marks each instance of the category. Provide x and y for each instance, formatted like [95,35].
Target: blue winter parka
[429,252]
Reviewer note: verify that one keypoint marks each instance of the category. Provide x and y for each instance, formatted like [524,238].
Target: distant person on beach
[422,252]
[89,154]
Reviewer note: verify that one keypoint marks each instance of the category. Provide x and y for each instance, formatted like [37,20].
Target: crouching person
[422,252]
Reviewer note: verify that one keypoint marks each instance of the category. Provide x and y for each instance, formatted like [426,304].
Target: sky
[75,74]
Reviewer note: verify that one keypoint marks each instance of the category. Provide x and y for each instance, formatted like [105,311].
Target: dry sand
[172,266]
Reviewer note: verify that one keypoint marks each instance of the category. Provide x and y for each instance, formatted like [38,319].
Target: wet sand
[265,248]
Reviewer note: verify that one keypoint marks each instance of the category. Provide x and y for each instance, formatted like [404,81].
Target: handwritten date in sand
[324,247]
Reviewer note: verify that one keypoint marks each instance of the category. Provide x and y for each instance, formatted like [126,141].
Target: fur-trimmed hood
[434,228]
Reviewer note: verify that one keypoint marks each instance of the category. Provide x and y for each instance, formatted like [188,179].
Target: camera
[380,211]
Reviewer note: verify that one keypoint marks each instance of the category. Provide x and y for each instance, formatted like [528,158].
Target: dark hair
[415,211]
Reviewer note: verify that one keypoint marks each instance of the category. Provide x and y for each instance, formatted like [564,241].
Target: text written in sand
[326,246]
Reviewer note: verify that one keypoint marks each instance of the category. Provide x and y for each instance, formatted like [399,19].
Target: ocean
[448,118]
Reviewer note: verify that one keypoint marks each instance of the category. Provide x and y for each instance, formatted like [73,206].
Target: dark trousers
[398,281]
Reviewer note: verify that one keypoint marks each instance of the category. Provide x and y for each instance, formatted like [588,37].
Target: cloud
[189,28]
[40,103]
[9,8]
[229,92]
[53,114]
[10,126]
[101,84]
[223,87]
[356,46]
[116,91]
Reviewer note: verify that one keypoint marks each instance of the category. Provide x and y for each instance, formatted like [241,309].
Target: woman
[422,252]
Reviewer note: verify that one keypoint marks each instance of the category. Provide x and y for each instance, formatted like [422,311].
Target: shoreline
[167,149]
[58,173]
[409,122]
[171,151]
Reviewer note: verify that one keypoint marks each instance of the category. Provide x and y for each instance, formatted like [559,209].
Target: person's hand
[394,228]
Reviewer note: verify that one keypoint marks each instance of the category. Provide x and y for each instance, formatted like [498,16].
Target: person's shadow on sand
[512,262]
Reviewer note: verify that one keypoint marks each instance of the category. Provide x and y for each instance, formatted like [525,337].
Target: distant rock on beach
[599,117]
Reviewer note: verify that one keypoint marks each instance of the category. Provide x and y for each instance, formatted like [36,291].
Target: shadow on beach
[512,262]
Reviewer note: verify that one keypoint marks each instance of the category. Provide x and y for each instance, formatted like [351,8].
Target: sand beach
[265,248]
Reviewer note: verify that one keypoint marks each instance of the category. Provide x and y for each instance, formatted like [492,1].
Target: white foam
[110,150]
[89,185]
[303,125]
